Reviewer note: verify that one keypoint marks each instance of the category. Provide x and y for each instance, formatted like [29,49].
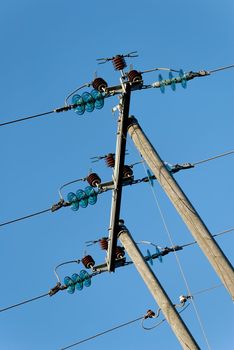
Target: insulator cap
[119,252]
[119,62]
[127,171]
[88,261]
[110,160]
[104,243]
[93,179]
[99,84]
[134,76]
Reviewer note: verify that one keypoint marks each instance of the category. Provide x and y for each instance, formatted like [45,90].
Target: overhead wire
[211,158]
[142,318]
[68,107]
[102,333]
[83,179]
[26,118]
[24,302]
[25,217]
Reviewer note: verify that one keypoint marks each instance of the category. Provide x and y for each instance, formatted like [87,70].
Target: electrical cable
[163,320]
[215,235]
[142,319]
[26,118]
[77,261]
[25,217]
[24,302]
[211,158]
[221,68]
[102,333]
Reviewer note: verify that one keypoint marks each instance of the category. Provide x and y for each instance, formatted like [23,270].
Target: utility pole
[172,316]
[200,232]
[118,175]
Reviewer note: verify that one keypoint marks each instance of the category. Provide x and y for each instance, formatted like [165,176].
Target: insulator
[80,105]
[88,101]
[83,198]
[173,83]
[88,261]
[72,198]
[159,254]
[150,257]
[127,171]
[77,281]
[70,284]
[99,84]
[93,179]
[104,243]
[183,78]
[119,62]
[110,160]
[98,99]
[86,278]
[134,76]
[119,252]
[91,195]
[162,86]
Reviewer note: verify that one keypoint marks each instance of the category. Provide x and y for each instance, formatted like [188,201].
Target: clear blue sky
[48,48]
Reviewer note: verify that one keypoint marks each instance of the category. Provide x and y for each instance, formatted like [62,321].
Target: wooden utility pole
[172,316]
[200,232]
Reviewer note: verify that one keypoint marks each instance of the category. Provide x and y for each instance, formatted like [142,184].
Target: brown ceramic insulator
[127,171]
[119,252]
[99,84]
[88,261]
[110,160]
[149,314]
[134,76]
[104,243]
[93,179]
[119,62]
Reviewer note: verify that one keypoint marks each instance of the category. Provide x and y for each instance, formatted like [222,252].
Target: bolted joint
[59,205]
[55,289]
[131,121]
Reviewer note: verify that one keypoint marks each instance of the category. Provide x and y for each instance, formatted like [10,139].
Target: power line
[25,217]
[102,333]
[211,158]
[65,108]
[24,302]
[63,203]
[26,118]
[149,314]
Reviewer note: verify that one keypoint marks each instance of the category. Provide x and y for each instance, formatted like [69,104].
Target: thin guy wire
[211,158]
[190,208]
[26,118]
[25,217]
[182,272]
[177,258]
[24,302]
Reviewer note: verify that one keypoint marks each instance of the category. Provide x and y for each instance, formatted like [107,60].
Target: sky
[48,48]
